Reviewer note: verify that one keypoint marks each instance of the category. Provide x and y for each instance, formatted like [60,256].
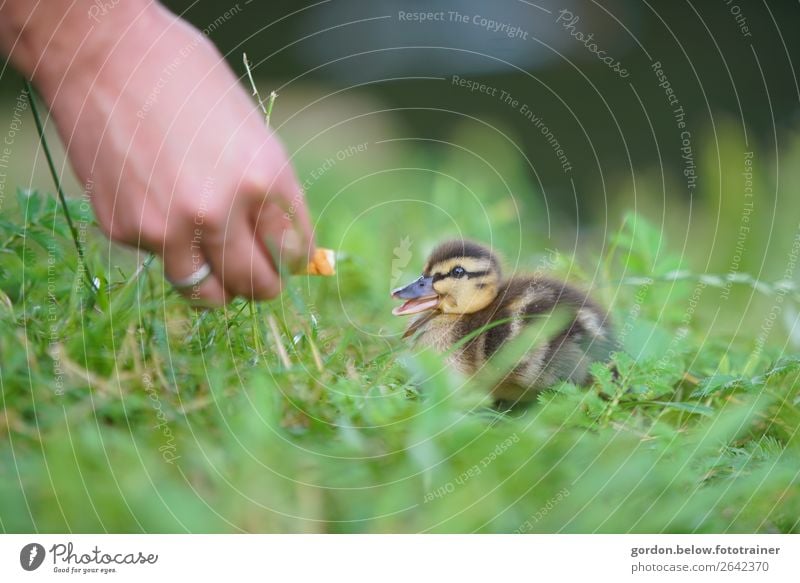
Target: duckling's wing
[586,338]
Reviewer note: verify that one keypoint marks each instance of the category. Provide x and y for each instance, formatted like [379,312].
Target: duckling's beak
[419,296]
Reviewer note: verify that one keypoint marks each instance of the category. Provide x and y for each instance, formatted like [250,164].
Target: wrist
[48,42]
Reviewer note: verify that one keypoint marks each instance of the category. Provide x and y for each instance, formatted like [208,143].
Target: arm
[172,150]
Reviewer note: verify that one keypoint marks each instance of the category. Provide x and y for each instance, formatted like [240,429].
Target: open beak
[419,295]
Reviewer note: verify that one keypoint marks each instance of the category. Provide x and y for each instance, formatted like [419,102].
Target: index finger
[282,221]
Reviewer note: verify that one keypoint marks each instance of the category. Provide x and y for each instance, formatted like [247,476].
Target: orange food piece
[323,262]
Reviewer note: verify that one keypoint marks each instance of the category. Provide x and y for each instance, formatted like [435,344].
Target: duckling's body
[469,303]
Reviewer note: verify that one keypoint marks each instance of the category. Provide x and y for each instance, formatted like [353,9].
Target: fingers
[182,259]
[239,259]
[243,246]
[273,228]
[244,239]
[178,244]
[297,211]
[283,223]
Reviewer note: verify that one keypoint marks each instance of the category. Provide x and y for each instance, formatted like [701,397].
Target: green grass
[123,410]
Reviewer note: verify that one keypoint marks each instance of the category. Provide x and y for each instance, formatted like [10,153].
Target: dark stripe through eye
[477,273]
[468,274]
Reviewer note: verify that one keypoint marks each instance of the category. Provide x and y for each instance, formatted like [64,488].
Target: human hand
[174,153]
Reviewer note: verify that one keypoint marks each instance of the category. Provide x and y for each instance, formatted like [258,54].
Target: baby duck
[462,291]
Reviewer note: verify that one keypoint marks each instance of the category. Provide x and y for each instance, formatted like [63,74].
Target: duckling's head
[460,277]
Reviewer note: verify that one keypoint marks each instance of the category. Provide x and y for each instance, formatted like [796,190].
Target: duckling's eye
[458,271]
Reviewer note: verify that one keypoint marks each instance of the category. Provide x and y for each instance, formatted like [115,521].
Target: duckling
[462,291]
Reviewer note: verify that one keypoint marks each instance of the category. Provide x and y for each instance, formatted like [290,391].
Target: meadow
[124,410]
